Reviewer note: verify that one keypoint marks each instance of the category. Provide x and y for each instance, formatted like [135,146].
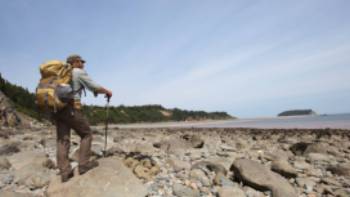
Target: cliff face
[9,117]
[298,112]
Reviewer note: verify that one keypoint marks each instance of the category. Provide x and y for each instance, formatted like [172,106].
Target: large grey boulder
[9,148]
[26,158]
[110,179]
[262,178]
[33,176]
[284,168]
[233,191]
[317,148]
[30,169]
[319,158]
[340,169]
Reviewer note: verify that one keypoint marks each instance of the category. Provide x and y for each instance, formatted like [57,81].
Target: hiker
[72,117]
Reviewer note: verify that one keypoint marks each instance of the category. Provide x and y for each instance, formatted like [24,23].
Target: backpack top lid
[58,69]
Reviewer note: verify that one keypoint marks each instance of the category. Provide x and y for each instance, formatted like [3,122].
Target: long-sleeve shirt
[80,80]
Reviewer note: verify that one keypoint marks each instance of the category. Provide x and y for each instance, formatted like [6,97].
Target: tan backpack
[54,90]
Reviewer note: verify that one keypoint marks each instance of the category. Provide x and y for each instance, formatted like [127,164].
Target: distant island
[298,112]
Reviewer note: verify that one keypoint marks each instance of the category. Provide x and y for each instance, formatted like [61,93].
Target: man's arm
[102,90]
[87,82]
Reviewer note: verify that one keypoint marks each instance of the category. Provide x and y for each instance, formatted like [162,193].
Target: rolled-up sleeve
[87,82]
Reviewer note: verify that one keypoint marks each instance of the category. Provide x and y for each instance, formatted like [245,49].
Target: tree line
[24,101]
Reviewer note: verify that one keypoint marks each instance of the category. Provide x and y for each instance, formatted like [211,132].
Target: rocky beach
[181,162]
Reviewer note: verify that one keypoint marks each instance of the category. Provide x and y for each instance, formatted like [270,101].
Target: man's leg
[63,145]
[82,128]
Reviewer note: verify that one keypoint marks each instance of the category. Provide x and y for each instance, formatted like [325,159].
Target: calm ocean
[340,121]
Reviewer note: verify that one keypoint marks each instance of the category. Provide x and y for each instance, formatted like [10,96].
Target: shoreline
[289,122]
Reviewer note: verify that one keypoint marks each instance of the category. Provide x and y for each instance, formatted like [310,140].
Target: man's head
[76,61]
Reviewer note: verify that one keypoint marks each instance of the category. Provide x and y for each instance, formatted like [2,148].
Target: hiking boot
[90,165]
[66,176]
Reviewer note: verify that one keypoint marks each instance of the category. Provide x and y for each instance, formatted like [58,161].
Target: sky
[250,58]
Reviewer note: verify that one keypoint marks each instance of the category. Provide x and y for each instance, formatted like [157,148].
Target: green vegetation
[298,112]
[147,113]
[24,101]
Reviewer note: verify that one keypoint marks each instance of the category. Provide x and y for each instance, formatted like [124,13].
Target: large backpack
[54,90]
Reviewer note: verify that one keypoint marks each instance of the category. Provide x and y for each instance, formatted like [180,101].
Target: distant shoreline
[336,121]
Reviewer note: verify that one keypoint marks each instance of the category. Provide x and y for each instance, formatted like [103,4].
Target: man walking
[71,117]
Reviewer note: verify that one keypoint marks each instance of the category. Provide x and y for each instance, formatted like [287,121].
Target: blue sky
[250,58]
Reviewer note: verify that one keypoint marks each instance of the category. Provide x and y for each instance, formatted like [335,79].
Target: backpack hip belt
[77,104]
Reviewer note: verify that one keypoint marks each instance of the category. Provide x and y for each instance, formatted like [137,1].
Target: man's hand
[108,94]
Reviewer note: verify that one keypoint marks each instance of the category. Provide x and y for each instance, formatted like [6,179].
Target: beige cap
[73,58]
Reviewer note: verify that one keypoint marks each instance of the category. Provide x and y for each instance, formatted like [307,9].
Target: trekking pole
[106,126]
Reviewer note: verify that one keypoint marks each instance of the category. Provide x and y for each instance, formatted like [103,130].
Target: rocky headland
[182,162]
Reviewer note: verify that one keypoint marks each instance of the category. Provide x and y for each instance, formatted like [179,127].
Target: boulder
[9,117]
[182,191]
[14,194]
[26,158]
[302,165]
[33,176]
[221,180]
[260,177]
[31,169]
[340,169]
[9,148]
[111,178]
[284,168]
[115,151]
[174,146]
[319,158]
[250,192]
[299,148]
[317,148]
[227,148]
[178,145]
[199,175]
[230,192]
[4,163]
[342,192]
[178,164]
[143,147]
[307,184]
[217,168]
[6,179]
[277,155]
[194,140]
